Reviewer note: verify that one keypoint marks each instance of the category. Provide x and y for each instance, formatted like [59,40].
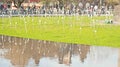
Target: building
[31,1]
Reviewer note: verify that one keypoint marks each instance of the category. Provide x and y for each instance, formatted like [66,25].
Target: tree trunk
[117,14]
[17,3]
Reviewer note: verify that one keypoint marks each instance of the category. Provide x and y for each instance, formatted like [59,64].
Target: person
[87,7]
[95,9]
[91,11]
[2,7]
[103,9]
[80,5]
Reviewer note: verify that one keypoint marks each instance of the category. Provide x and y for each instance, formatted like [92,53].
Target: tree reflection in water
[20,51]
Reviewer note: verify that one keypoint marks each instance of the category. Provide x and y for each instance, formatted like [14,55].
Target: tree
[17,3]
[112,2]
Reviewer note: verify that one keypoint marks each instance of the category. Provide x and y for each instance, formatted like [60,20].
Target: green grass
[75,29]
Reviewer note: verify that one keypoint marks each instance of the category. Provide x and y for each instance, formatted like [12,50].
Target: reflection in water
[119,59]
[20,52]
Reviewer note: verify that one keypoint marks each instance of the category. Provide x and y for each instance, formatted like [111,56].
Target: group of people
[55,9]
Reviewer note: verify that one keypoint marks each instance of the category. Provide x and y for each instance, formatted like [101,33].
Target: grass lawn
[74,29]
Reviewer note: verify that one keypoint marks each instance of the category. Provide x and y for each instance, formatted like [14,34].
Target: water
[20,52]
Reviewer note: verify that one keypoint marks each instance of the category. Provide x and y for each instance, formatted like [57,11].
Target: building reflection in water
[22,51]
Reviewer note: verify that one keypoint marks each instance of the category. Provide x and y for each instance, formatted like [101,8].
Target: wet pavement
[21,52]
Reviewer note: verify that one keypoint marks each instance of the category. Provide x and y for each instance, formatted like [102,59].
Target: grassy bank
[75,29]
